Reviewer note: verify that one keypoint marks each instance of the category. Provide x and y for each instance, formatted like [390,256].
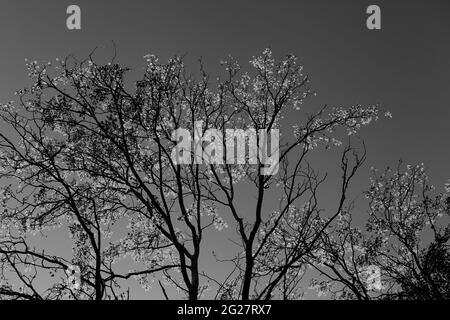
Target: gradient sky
[404,67]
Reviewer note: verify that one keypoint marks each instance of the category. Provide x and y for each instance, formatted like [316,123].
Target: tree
[275,242]
[406,240]
[95,153]
[46,190]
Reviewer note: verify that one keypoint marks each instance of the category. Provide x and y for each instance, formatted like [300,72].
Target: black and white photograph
[224,159]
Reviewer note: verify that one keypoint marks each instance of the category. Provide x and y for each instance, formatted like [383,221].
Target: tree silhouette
[85,152]
[406,239]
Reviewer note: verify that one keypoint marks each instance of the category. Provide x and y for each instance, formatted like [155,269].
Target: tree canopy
[81,152]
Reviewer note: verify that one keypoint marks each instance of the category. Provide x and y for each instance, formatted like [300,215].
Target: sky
[403,67]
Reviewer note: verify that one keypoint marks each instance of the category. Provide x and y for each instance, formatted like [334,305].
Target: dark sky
[404,67]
